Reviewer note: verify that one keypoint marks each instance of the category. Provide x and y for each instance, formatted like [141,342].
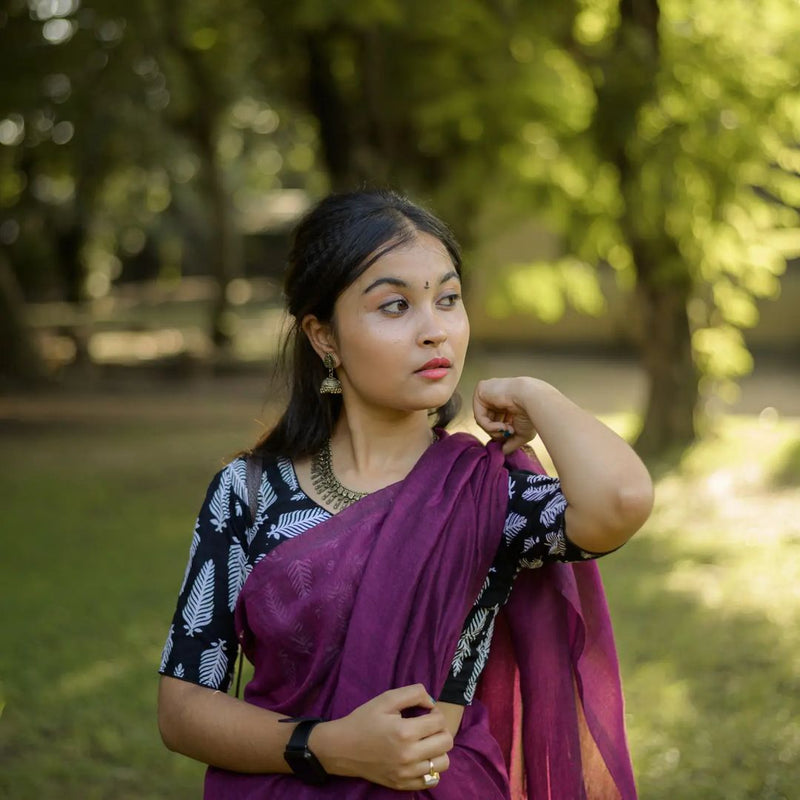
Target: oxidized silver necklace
[327,484]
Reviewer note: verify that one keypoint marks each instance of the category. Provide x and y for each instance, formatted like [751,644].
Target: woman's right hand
[377,743]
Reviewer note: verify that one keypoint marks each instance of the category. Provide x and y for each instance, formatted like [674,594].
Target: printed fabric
[201,645]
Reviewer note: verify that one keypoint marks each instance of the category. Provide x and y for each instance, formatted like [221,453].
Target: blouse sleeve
[201,644]
[535,531]
[534,534]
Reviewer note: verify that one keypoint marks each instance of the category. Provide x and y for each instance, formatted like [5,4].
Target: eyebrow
[404,285]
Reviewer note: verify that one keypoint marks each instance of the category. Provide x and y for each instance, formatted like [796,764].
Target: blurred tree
[19,358]
[659,138]
[684,178]
[70,120]
[133,127]
[208,52]
[655,137]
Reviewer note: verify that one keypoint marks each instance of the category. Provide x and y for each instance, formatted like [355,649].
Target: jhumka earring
[331,384]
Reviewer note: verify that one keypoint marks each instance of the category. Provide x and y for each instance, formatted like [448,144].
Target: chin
[438,399]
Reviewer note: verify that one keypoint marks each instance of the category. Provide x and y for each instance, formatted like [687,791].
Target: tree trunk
[200,123]
[20,360]
[327,104]
[226,249]
[68,243]
[663,283]
[666,353]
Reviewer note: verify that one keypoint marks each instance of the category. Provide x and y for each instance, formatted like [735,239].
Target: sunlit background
[624,176]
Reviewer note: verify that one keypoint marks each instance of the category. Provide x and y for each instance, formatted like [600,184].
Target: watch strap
[300,758]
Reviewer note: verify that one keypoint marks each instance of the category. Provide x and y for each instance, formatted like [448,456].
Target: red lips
[434,363]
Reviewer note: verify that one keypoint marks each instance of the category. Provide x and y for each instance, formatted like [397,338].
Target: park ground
[101,479]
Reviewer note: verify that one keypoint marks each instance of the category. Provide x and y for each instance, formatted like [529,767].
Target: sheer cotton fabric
[376,597]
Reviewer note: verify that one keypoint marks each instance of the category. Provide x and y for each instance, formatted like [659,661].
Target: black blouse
[201,645]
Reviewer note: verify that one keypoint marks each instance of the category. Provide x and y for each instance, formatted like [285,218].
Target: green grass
[706,607]
[99,494]
[98,512]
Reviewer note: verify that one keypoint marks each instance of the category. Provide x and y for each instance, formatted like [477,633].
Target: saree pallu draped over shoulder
[375,598]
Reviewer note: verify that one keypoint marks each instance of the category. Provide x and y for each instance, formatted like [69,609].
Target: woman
[365,568]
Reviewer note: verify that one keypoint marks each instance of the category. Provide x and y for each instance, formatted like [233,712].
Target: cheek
[369,346]
[459,335]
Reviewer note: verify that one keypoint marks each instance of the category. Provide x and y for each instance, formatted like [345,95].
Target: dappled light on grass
[706,604]
[89,679]
[737,532]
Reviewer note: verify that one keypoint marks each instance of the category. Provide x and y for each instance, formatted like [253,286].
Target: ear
[320,336]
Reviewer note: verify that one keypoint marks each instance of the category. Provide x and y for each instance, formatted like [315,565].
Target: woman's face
[401,331]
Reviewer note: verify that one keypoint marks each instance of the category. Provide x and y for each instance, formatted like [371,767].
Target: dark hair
[332,245]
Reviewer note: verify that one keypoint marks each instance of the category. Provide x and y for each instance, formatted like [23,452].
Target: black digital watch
[297,755]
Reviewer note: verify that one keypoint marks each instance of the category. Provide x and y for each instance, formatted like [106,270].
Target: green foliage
[659,138]
[786,472]
[97,135]
[708,124]
[544,288]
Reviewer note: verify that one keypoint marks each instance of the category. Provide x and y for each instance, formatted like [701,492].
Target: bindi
[427,285]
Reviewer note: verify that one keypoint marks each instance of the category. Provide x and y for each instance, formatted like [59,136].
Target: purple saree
[375,598]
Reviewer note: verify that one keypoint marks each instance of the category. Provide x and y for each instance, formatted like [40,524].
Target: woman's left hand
[499,411]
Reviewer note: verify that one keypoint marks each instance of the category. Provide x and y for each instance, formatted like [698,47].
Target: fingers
[435,747]
[512,443]
[424,730]
[493,411]
[433,769]
[502,429]
[432,760]
[440,764]
[415,695]
[397,747]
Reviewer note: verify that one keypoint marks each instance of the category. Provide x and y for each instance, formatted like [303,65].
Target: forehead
[424,256]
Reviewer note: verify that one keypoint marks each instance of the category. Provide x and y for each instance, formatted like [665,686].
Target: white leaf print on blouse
[514,524]
[192,551]
[238,479]
[557,544]
[236,564]
[295,522]
[179,671]
[462,651]
[287,473]
[213,664]
[219,506]
[481,657]
[539,489]
[468,636]
[553,510]
[167,649]
[266,497]
[527,560]
[199,606]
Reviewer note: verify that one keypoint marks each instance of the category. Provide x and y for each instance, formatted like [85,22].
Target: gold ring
[430,779]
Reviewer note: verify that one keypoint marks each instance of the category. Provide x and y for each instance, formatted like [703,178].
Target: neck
[370,452]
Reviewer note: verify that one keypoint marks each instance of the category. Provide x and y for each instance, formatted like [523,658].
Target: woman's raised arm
[608,489]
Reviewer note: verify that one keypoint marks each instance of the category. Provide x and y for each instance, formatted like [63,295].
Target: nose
[431,332]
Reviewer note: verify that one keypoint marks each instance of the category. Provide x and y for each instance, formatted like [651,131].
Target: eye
[395,307]
[450,300]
